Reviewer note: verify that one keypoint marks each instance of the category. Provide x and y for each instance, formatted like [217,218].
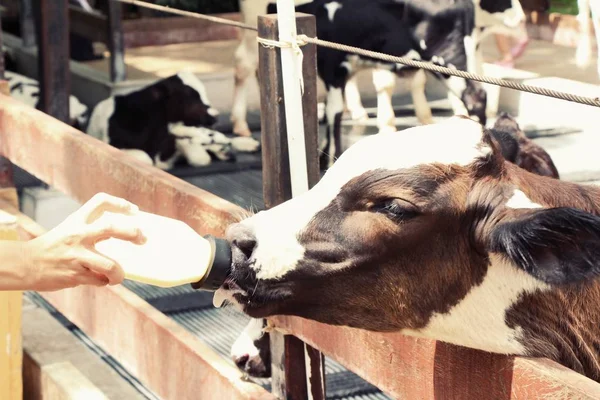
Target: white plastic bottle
[174,254]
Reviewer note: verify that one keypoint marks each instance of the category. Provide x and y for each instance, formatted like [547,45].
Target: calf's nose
[240,361]
[243,242]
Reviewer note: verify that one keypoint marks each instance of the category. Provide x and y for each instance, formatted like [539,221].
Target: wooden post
[26,18]
[291,358]
[11,358]
[53,57]
[11,351]
[116,45]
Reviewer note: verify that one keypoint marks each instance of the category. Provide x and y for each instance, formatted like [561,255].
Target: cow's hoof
[245,144]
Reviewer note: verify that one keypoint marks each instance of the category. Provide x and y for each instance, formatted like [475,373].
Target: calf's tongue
[219,298]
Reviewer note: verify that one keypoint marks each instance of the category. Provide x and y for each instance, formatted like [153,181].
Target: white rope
[295,45]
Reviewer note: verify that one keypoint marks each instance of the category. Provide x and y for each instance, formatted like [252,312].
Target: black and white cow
[491,16]
[165,121]
[27,90]
[433,31]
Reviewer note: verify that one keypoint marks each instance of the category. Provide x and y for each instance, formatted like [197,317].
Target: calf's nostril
[246,246]
[241,361]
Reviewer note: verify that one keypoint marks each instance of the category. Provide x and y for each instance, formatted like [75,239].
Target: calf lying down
[447,241]
[165,122]
[27,90]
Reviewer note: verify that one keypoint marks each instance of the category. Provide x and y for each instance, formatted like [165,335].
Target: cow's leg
[584,44]
[417,91]
[353,102]
[384,81]
[595,7]
[456,86]
[331,147]
[246,65]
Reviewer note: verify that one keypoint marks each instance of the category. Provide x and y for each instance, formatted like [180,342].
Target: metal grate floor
[219,328]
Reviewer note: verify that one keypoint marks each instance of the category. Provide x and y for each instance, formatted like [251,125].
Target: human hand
[65,256]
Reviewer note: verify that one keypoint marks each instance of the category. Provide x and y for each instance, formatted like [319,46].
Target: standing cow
[246,65]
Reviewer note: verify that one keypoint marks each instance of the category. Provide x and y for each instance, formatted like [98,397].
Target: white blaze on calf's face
[456,141]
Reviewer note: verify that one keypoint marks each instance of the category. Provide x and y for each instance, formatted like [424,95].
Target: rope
[190,14]
[303,39]
[590,101]
[295,45]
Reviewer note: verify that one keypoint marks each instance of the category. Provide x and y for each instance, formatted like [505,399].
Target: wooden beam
[27,20]
[60,381]
[115,42]
[53,57]
[409,368]
[291,358]
[92,26]
[66,159]
[11,303]
[11,359]
[55,361]
[165,31]
[147,342]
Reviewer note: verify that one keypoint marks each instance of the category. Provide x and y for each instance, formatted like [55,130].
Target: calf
[520,150]
[163,122]
[414,29]
[27,90]
[250,352]
[491,16]
[449,242]
[246,65]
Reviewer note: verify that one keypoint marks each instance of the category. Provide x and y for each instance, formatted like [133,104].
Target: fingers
[118,228]
[103,202]
[102,268]
[92,279]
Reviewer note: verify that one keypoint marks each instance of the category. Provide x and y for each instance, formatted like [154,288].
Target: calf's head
[432,237]
[185,100]
[474,98]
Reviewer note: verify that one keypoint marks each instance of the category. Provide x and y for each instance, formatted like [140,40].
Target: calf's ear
[557,245]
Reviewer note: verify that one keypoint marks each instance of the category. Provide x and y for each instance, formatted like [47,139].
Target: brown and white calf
[438,237]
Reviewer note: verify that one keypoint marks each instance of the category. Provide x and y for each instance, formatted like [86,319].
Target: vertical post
[27,21]
[291,72]
[115,41]
[53,57]
[11,354]
[291,358]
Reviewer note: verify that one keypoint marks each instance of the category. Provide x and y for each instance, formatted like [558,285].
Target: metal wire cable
[590,101]
[303,39]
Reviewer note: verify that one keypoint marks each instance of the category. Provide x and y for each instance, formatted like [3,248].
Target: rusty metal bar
[410,368]
[115,41]
[53,57]
[27,21]
[65,158]
[291,358]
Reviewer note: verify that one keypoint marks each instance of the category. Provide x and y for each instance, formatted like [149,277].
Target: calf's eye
[396,209]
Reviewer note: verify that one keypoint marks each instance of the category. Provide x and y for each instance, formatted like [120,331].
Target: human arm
[65,256]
